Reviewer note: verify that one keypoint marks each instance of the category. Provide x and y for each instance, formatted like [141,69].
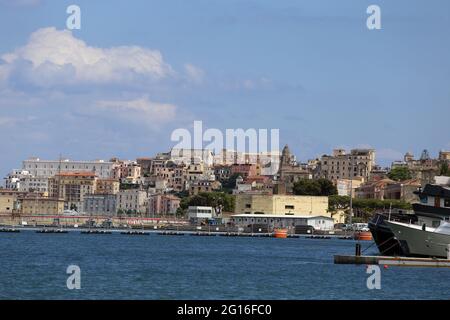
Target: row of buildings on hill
[154,186]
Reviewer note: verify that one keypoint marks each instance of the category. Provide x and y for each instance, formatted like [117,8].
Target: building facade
[132,201]
[100,204]
[281,205]
[72,187]
[33,184]
[14,179]
[8,200]
[107,186]
[162,204]
[200,186]
[254,221]
[41,205]
[343,165]
[48,168]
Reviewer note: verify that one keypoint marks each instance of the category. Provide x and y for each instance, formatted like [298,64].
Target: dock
[392,261]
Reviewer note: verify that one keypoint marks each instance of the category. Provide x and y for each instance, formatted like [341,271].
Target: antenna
[59,177]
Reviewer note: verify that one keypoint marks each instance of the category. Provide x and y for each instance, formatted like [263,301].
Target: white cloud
[14,121]
[139,110]
[194,73]
[247,84]
[52,57]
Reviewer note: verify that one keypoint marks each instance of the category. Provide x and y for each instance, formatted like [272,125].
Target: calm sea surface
[115,266]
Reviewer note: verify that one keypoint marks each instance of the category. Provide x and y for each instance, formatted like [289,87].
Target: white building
[269,161]
[192,156]
[14,179]
[48,168]
[100,204]
[197,214]
[132,201]
[33,184]
[284,221]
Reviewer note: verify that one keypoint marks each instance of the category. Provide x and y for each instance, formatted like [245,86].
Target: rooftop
[77,174]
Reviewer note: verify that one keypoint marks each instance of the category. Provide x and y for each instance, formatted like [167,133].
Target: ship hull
[385,240]
[424,243]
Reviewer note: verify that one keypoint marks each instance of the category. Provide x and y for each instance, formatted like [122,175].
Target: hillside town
[231,187]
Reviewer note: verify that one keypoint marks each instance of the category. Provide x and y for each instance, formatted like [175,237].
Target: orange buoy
[280,233]
[363,235]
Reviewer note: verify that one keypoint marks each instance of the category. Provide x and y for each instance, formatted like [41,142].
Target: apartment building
[107,186]
[47,168]
[33,184]
[343,165]
[72,187]
[133,201]
[162,204]
[100,204]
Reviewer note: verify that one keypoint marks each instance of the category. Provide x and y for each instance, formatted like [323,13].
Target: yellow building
[41,205]
[8,200]
[72,186]
[288,205]
[107,186]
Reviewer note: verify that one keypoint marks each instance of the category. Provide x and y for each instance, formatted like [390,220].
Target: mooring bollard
[358,249]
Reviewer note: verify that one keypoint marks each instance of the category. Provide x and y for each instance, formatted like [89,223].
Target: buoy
[280,233]
[363,235]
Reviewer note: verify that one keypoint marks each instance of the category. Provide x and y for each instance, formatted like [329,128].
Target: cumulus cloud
[53,57]
[139,110]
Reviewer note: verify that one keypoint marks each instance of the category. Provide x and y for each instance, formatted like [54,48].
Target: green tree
[209,199]
[364,209]
[320,187]
[229,184]
[444,169]
[336,202]
[399,174]
[327,188]
[306,187]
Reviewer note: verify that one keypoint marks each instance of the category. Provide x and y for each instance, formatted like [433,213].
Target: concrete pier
[393,261]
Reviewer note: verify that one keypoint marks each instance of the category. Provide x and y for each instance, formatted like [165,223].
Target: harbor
[117,266]
[165,231]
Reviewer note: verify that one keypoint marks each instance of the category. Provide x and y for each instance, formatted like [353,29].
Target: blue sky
[310,68]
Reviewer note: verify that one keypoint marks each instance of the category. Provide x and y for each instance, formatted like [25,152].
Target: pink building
[245,170]
[163,204]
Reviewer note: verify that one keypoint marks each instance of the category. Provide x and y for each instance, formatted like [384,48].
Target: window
[289,207]
[248,205]
[435,223]
[446,202]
